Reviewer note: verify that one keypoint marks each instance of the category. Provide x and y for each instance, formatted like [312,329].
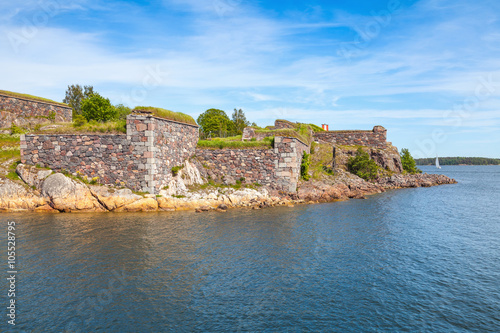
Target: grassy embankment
[235,142]
[26,96]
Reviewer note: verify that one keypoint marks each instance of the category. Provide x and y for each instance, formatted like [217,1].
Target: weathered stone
[142,205]
[69,195]
[14,197]
[31,175]
[112,199]
[24,111]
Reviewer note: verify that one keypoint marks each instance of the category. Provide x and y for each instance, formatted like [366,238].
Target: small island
[105,158]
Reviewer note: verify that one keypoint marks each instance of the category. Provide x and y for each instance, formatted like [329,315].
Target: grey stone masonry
[277,168]
[138,159]
[376,138]
[21,110]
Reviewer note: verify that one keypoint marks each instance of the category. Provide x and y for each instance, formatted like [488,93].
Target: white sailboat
[437,163]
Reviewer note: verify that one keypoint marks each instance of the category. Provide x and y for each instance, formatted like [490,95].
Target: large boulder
[31,175]
[69,195]
[14,197]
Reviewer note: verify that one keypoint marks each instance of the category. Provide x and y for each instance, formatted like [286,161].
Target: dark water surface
[425,259]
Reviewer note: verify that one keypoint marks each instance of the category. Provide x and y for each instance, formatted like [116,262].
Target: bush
[52,116]
[176,169]
[304,166]
[409,164]
[362,165]
[79,120]
[98,108]
[121,112]
[16,129]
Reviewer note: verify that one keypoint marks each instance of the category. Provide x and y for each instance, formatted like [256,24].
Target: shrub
[362,165]
[304,166]
[409,164]
[121,112]
[79,120]
[16,129]
[98,108]
[52,116]
[176,169]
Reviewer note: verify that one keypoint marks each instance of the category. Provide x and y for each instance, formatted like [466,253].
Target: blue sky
[429,71]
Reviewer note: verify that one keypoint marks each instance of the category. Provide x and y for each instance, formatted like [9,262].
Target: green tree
[362,165]
[75,94]
[98,108]
[214,122]
[239,121]
[409,164]
[121,112]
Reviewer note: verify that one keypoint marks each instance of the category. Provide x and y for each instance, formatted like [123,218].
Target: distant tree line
[458,161]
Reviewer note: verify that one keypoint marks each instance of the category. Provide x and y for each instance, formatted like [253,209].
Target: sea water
[424,259]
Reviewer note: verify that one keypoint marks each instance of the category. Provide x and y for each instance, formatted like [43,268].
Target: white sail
[437,163]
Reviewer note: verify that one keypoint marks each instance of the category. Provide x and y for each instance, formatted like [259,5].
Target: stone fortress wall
[277,168]
[21,111]
[376,138]
[141,159]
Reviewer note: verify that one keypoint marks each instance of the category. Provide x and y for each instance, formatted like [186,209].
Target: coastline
[48,192]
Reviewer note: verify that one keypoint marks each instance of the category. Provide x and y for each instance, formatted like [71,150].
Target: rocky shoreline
[43,190]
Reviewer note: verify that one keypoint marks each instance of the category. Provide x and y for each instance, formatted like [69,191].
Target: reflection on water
[417,259]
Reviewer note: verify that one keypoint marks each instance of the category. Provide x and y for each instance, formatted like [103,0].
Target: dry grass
[92,127]
[321,160]
[221,144]
[35,98]
[167,114]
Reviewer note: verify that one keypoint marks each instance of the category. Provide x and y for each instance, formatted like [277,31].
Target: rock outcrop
[68,195]
[417,180]
[14,197]
[387,158]
[31,175]
[60,193]
[113,199]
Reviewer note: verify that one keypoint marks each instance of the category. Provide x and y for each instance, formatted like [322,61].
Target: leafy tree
[98,108]
[75,94]
[239,121]
[214,122]
[122,112]
[362,165]
[409,164]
